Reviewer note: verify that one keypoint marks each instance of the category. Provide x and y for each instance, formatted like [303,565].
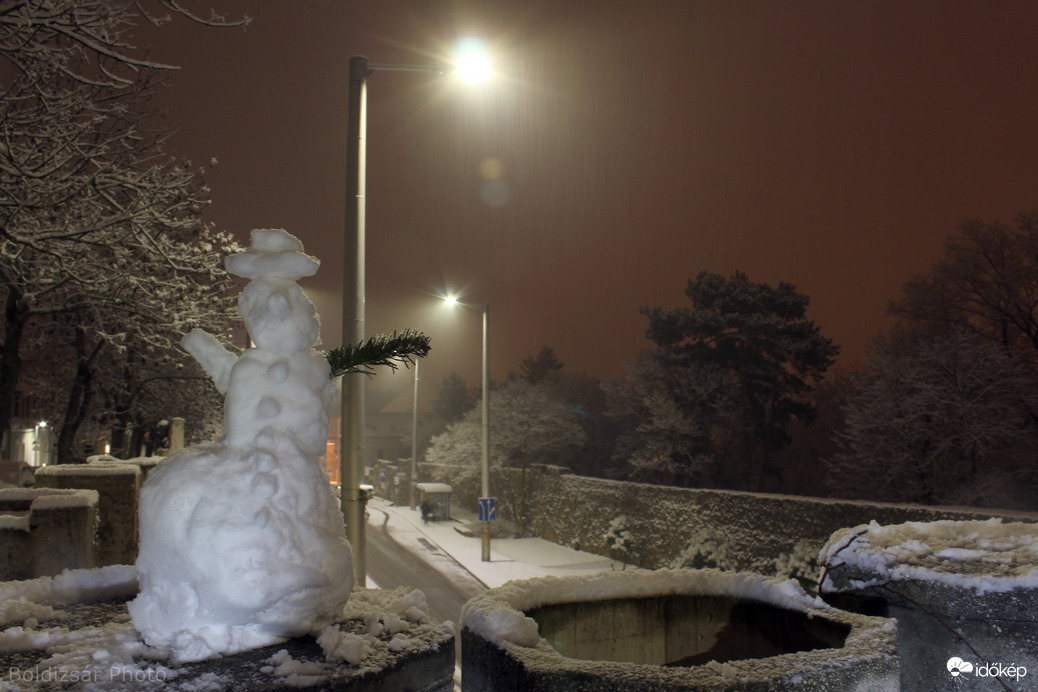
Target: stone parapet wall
[663,526]
[44,531]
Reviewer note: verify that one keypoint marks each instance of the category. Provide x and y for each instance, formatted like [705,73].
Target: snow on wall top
[18,522]
[987,556]
[65,498]
[46,498]
[101,468]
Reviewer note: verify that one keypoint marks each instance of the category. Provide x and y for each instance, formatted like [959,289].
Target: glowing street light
[353,498]
[472,63]
[485,500]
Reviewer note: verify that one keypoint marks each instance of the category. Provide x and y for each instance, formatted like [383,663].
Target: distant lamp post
[353,498]
[487,504]
[41,444]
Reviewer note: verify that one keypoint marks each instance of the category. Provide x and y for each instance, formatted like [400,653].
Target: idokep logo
[959,669]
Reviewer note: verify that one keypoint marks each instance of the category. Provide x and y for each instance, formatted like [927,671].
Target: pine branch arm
[390,350]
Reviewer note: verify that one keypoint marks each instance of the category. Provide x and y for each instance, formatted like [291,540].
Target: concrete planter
[669,630]
[964,594]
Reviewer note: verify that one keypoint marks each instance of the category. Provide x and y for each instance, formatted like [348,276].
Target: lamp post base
[486,541]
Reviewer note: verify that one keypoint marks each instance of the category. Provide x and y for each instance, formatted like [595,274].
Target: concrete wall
[45,531]
[118,487]
[658,526]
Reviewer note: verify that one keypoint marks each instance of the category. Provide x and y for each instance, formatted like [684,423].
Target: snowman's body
[242,541]
[286,395]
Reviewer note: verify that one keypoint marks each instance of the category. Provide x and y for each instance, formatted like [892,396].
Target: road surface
[390,566]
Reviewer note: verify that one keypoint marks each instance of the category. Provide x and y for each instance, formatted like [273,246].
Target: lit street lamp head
[472,63]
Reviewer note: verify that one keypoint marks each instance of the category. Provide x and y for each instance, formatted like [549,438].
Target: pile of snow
[497,615]
[242,543]
[986,556]
[35,598]
[393,622]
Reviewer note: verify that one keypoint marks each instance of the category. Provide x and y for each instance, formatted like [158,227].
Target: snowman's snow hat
[274,253]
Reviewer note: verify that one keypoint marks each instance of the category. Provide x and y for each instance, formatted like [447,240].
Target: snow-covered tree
[665,434]
[528,424]
[86,191]
[986,282]
[940,420]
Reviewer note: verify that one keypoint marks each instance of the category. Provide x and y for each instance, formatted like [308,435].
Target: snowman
[242,543]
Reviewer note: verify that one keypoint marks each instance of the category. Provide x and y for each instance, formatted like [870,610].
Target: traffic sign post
[487,514]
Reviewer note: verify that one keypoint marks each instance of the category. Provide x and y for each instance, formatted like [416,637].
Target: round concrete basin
[669,630]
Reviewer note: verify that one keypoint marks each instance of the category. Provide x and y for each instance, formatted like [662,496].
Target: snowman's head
[279,316]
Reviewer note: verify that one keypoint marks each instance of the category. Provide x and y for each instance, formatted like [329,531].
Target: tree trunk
[79,397]
[121,432]
[10,362]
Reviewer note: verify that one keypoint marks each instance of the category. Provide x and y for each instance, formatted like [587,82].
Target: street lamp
[486,503]
[351,462]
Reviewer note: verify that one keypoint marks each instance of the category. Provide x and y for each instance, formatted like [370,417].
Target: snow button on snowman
[242,542]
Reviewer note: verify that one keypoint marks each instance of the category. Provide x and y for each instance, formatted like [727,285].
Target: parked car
[16,474]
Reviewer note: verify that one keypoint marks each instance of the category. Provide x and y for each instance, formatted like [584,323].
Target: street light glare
[472,63]
[451,301]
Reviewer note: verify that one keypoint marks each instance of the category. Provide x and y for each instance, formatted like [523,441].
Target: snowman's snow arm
[212,356]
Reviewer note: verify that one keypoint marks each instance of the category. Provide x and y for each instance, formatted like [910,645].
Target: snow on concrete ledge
[989,556]
[99,468]
[19,522]
[49,498]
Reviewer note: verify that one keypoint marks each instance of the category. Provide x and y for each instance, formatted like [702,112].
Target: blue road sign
[487,508]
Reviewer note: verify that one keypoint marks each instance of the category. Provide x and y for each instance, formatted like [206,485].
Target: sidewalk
[510,558]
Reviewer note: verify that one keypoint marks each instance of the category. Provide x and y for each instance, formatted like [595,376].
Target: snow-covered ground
[510,558]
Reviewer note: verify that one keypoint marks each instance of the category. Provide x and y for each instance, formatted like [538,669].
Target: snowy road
[391,565]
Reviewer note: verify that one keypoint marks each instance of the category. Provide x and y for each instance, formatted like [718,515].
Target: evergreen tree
[454,399]
[541,368]
[759,354]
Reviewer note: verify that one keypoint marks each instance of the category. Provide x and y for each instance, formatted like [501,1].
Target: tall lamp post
[486,503]
[414,436]
[353,498]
